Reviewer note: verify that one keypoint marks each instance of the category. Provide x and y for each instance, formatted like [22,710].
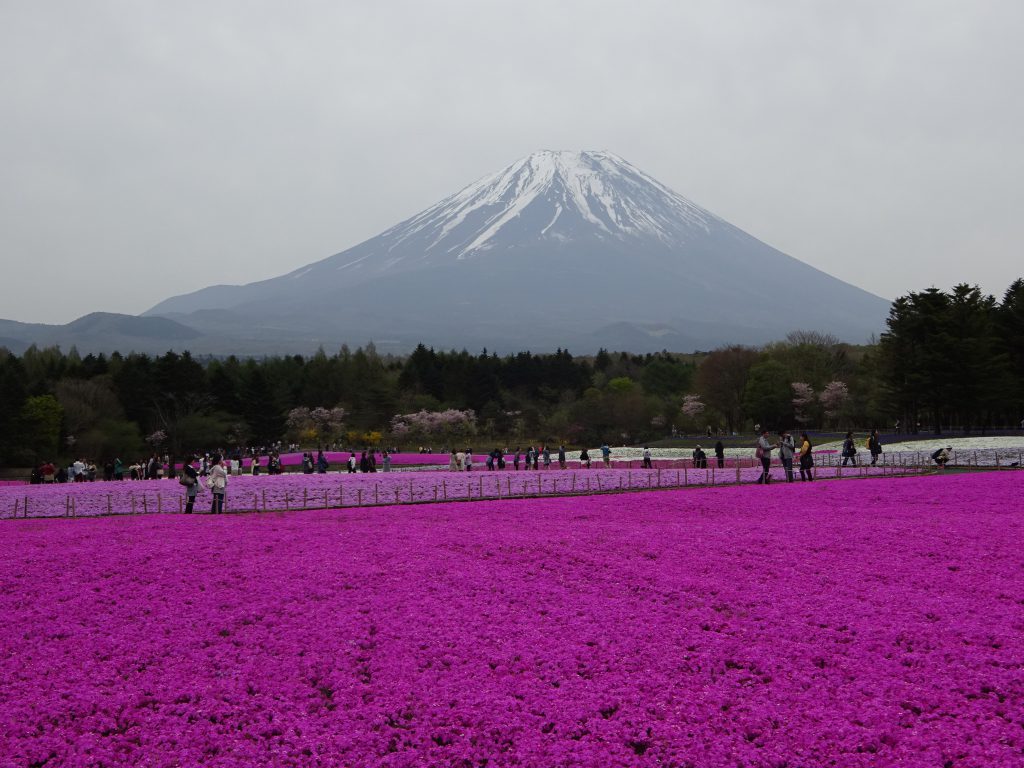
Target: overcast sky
[152,148]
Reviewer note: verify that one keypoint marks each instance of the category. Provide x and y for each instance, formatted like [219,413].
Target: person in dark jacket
[364,463]
[700,459]
[849,450]
[720,454]
[874,446]
[190,479]
[321,463]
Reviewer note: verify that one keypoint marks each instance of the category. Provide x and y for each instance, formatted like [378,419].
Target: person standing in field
[806,458]
[547,457]
[646,464]
[386,460]
[786,451]
[515,459]
[218,480]
[606,455]
[700,459]
[469,460]
[190,479]
[764,453]
[584,459]
[874,446]
[720,454]
[453,463]
[561,456]
[849,451]
[530,453]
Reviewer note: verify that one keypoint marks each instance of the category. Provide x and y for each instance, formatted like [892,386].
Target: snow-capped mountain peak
[554,195]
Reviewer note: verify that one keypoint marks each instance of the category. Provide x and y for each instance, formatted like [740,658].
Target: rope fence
[342,491]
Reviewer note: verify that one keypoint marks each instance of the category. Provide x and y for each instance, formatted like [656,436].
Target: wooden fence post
[109,505]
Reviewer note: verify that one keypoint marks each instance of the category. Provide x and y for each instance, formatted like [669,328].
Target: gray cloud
[150,148]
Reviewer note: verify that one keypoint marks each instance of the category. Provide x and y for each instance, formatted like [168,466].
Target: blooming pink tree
[833,398]
[692,406]
[803,401]
[446,425]
[320,424]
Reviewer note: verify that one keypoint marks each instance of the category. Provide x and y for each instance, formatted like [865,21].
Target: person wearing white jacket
[218,483]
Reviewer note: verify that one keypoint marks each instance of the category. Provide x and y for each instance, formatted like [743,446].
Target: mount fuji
[578,250]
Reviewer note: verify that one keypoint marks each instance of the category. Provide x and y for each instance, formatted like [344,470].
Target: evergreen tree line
[949,360]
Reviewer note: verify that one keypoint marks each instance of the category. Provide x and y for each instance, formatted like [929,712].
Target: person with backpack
[849,452]
[806,458]
[874,446]
[584,459]
[763,452]
[190,479]
[218,480]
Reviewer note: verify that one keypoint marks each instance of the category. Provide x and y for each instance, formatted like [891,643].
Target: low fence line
[481,486]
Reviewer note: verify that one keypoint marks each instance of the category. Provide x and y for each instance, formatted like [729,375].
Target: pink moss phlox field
[852,624]
[293,491]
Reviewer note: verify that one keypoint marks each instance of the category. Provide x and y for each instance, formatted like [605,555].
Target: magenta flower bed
[849,624]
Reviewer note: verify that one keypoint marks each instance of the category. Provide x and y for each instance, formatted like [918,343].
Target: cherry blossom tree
[803,401]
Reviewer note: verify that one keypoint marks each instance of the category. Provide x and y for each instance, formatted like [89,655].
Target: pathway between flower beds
[858,624]
[266,493]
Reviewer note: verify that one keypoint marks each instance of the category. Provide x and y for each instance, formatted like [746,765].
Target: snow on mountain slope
[599,188]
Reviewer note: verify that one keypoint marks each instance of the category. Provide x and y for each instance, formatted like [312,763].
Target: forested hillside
[949,360]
